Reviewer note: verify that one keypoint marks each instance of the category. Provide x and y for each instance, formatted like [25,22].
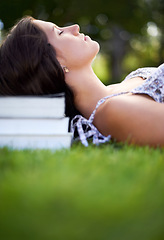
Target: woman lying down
[38,57]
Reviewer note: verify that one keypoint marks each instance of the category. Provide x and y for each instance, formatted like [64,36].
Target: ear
[61,60]
[65,69]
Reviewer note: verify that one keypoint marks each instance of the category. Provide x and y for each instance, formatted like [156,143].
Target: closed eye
[61,32]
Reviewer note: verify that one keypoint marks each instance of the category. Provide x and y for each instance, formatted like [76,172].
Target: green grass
[110,192]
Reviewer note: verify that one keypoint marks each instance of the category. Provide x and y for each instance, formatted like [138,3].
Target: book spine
[32,107]
[52,142]
[34,126]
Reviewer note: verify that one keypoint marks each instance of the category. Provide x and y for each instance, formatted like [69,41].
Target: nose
[74,29]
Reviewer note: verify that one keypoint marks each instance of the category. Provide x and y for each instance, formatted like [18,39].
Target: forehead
[43,24]
[47,27]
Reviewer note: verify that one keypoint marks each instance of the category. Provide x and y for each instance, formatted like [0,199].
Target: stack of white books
[31,122]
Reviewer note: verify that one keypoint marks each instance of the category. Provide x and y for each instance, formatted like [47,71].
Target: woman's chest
[126,86]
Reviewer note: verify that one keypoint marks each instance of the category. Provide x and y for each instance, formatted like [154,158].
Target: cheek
[84,53]
[77,54]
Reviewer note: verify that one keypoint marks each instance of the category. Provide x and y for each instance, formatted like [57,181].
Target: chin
[97,47]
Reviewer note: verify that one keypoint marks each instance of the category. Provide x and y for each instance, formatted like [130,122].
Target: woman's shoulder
[136,118]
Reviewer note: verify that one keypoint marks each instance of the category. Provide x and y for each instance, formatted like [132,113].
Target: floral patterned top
[153,86]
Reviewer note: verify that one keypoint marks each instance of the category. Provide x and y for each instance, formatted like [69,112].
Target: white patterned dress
[153,86]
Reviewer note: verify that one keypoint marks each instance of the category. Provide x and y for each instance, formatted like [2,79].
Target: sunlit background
[131,33]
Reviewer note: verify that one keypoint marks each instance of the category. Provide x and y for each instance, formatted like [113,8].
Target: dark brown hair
[28,65]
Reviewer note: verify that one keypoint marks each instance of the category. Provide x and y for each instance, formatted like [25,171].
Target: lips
[87,38]
[84,37]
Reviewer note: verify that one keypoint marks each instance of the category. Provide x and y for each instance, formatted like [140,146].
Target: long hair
[28,65]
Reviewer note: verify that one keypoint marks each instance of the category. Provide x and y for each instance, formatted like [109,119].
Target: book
[52,142]
[33,126]
[45,106]
[34,122]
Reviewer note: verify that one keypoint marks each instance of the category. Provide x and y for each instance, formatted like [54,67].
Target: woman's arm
[132,118]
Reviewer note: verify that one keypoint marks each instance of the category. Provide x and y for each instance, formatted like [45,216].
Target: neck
[87,89]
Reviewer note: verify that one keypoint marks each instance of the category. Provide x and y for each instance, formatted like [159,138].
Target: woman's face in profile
[73,49]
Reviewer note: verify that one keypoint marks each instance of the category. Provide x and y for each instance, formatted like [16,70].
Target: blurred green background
[131,33]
